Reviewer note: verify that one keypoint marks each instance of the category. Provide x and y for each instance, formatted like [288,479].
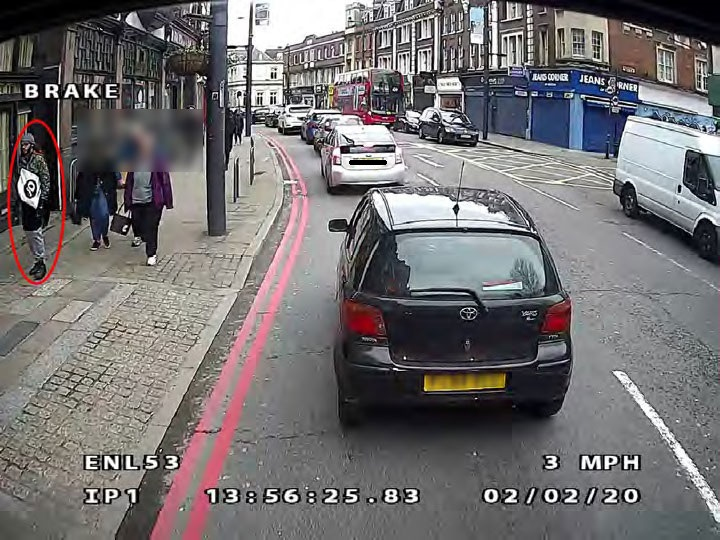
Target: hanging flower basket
[189,63]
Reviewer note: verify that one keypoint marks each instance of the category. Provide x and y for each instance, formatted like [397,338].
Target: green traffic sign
[713,86]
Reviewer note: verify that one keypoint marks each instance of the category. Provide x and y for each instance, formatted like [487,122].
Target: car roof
[406,208]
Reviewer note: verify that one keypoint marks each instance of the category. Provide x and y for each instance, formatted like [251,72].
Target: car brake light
[336,157]
[558,318]
[363,320]
[398,156]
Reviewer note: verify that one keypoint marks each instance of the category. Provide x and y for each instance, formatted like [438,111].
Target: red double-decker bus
[375,95]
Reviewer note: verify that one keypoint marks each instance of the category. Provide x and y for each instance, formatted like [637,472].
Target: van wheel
[706,242]
[628,198]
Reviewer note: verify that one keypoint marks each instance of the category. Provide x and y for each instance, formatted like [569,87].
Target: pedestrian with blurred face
[96,196]
[148,190]
[32,168]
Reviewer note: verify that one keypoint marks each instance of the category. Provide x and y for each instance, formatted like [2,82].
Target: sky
[290,21]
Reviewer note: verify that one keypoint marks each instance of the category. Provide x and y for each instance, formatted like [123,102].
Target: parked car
[312,122]
[259,114]
[422,322]
[408,122]
[447,125]
[361,155]
[272,116]
[328,124]
[671,171]
[291,118]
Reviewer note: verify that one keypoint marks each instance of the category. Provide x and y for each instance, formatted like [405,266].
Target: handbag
[120,222]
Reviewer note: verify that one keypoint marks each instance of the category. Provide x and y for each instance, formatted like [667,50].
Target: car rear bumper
[458,138]
[371,378]
[292,127]
[394,175]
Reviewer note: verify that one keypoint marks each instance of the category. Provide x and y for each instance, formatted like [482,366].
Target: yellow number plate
[463,382]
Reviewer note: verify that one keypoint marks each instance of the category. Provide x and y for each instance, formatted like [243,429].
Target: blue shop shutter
[598,123]
[551,121]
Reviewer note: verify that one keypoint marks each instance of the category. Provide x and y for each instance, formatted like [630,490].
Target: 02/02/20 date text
[569,496]
[387,496]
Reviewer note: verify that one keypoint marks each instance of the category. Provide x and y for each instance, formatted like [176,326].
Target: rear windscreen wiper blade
[452,290]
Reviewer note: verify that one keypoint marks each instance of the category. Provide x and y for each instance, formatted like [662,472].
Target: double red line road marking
[231,385]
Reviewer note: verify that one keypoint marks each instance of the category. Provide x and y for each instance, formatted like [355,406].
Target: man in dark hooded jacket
[230,130]
[33,219]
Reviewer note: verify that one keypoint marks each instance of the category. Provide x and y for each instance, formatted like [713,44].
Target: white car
[361,156]
[291,118]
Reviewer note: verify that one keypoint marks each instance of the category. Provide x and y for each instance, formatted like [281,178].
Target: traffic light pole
[248,70]
[486,70]
[214,105]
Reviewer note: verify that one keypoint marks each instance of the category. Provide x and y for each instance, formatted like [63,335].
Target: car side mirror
[338,225]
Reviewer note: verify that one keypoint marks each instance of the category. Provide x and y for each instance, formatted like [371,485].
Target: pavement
[98,359]
[262,454]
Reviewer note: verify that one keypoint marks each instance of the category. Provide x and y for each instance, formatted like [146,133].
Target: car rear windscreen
[492,265]
[365,143]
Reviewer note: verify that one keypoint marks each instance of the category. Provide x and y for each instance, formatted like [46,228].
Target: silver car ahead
[361,156]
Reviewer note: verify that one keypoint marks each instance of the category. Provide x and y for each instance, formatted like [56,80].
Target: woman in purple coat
[146,195]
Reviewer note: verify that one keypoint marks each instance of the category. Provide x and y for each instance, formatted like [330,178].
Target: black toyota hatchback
[446,296]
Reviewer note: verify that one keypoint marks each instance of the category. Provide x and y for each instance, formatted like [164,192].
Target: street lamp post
[214,105]
[248,78]
[486,69]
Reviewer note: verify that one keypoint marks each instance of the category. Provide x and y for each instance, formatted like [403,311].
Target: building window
[541,10]
[453,59]
[578,42]
[259,99]
[561,43]
[452,23]
[666,65]
[461,21]
[446,24]
[273,73]
[425,60]
[514,11]
[4,149]
[425,29]
[273,97]
[597,46]
[512,50]
[445,56]
[6,55]
[542,47]
[404,34]
[701,73]
[25,52]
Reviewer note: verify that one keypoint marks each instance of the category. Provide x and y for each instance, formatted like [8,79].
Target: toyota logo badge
[468,313]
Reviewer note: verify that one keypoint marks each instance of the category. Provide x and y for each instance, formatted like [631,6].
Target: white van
[673,172]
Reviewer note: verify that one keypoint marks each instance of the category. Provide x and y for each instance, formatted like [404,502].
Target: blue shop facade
[509,103]
[579,109]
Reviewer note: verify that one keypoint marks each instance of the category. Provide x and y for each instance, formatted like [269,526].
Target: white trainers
[152,261]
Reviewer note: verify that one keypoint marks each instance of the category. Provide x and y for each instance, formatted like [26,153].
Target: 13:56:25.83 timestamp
[388,496]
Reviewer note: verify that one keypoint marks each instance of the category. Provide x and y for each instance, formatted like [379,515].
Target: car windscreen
[456,118]
[492,265]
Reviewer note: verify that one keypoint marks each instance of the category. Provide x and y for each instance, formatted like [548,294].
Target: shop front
[508,103]
[580,109]
[449,93]
[142,76]
[424,88]
[676,107]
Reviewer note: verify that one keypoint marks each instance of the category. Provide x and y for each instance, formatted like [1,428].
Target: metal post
[248,79]
[214,104]
[486,69]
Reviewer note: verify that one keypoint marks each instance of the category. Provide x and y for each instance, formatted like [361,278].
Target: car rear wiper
[455,290]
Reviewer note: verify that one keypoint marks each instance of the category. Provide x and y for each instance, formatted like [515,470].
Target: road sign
[516,71]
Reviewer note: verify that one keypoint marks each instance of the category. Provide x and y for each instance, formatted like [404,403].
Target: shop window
[6,55]
[25,51]
[4,149]
[23,117]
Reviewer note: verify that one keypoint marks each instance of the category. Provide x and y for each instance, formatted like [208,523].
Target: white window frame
[561,43]
[543,46]
[661,75]
[461,21]
[273,73]
[273,97]
[513,11]
[424,60]
[600,57]
[518,39]
[701,74]
[578,32]
[260,98]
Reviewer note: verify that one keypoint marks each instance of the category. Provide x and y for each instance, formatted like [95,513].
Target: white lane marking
[541,192]
[530,166]
[426,179]
[671,260]
[681,455]
[426,160]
